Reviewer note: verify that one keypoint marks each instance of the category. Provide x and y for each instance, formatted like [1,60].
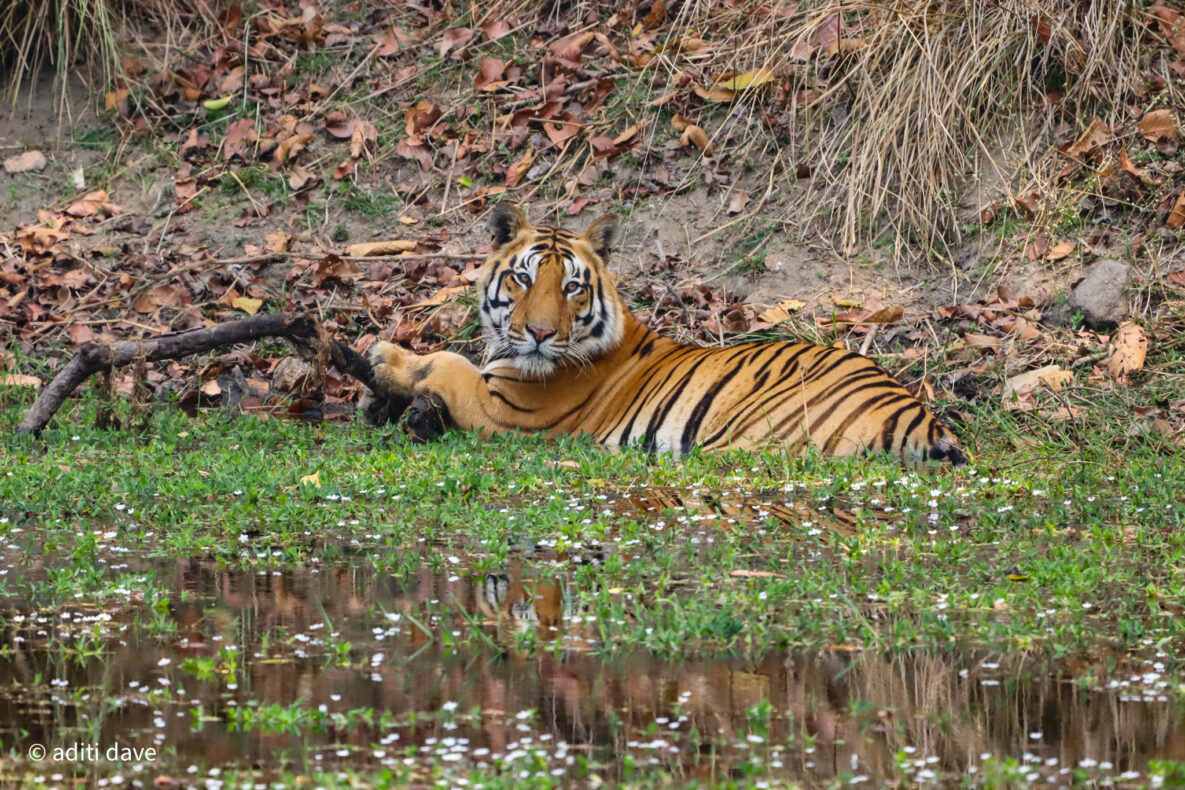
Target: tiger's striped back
[678,397]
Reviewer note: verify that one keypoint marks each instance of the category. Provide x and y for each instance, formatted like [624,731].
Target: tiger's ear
[505,222]
[602,235]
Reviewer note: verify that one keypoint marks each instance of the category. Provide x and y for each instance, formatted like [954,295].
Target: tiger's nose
[540,333]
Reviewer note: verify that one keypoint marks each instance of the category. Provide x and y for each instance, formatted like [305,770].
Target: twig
[868,340]
[1090,359]
[430,256]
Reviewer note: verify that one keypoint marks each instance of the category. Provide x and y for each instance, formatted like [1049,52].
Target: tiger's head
[547,299]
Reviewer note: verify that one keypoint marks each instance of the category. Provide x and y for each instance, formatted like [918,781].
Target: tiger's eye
[573,288]
[523,279]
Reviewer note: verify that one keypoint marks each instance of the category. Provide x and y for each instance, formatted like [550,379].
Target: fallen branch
[301,329]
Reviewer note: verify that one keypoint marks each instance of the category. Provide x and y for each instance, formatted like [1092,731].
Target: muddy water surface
[460,664]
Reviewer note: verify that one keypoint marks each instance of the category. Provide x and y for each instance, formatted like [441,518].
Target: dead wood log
[300,329]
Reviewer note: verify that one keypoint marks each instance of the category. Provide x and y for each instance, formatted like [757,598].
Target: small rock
[967,256]
[291,375]
[1058,315]
[540,169]
[1100,296]
[29,160]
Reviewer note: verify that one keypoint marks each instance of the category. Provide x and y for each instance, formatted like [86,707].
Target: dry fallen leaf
[312,480]
[146,303]
[172,295]
[372,248]
[1129,346]
[364,137]
[496,29]
[454,39]
[300,177]
[791,304]
[1018,389]
[39,240]
[781,312]
[1171,24]
[492,76]
[1062,250]
[1037,248]
[655,16]
[886,315]
[88,204]
[1096,134]
[516,172]
[743,574]
[19,380]
[332,267]
[29,160]
[80,333]
[691,43]
[1176,217]
[1125,164]
[923,391]
[697,136]
[715,95]
[739,200]
[440,297]
[750,79]
[247,304]
[1030,202]
[339,126]
[116,100]
[873,313]
[1159,125]
[626,136]
[278,241]
[211,388]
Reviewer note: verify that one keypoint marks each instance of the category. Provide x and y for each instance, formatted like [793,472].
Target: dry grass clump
[81,35]
[892,104]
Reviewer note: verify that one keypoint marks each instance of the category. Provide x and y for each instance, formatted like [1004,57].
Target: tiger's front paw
[383,353]
[392,395]
[390,365]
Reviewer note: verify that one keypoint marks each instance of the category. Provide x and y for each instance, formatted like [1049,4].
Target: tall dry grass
[79,36]
[895,103]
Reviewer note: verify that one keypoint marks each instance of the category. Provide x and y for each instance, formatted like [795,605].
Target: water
[308,667]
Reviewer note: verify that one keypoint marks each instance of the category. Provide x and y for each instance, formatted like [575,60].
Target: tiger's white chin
[535,364]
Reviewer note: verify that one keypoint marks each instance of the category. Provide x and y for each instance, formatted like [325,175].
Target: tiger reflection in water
[538,604]
[543,603]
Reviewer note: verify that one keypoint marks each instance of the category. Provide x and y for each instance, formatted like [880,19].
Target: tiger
[564,355]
